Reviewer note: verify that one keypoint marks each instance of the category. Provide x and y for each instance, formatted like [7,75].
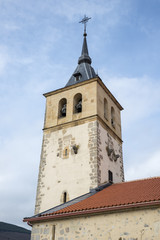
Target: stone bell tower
[82,145]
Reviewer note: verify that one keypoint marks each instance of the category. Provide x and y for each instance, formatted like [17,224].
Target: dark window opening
[110,176]
[113,117]
[64,197]
[66,152]
[77,76]
[77,103]
[62,108]
[78,106]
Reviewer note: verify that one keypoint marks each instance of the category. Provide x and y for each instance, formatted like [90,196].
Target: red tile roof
[117,196]
[139,191]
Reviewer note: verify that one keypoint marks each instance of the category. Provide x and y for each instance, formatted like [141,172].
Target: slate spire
[84,55]
[84,71]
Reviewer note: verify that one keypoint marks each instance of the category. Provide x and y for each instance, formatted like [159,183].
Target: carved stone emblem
[111,154]
[75,148]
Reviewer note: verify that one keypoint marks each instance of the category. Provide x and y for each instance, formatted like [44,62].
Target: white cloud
[10,26]
[19,159]
[140,123]
[110,9]
[148,168]
[139,96]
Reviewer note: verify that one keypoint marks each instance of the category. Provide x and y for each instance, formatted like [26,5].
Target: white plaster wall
[58,174]
[128,225]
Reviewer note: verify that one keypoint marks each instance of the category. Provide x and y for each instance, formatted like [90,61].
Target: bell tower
[82,145]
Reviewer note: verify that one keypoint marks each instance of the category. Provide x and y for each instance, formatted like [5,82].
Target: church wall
[127,225]
[73,173]
[101,93]
[109,156]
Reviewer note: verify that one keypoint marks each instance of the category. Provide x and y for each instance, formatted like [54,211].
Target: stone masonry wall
[128,225]
[110,156]
[92,146]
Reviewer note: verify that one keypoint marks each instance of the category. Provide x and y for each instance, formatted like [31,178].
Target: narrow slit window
[66,152]
[110,176]
[64,197]
[112,117]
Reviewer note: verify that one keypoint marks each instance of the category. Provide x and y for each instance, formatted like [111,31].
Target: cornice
[82,121]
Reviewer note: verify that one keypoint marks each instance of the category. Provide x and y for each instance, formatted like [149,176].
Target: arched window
[105,109]
[64,197]
[62,109]
[110,176]
[113,117]
[66,152]
[77,103]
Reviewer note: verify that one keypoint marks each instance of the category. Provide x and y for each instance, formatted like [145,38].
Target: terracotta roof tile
[120,194]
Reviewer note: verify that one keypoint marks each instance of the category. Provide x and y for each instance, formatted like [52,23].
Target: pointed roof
[84,54]
[83,71]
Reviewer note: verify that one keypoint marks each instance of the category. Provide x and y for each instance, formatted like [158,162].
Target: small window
[62,110]
[64,197]
[105,109]
[66,152]
[110,176]
[77,76]
[77,103]
[112,117]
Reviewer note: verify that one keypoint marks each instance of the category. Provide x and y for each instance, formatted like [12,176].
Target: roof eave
[93,211]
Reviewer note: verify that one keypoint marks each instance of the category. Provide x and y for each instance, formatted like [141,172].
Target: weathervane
[84,21]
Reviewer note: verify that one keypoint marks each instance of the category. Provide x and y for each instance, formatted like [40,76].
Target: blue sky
[40,42]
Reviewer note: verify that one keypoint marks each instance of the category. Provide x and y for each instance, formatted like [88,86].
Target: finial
[84,21]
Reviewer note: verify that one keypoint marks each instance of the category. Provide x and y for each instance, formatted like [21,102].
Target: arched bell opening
[62,109]
[77,103]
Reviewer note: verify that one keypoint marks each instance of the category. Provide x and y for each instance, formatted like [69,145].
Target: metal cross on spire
[84,21]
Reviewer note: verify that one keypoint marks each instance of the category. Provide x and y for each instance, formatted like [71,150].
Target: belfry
[82,145]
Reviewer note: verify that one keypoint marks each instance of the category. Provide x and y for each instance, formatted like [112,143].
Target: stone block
[46,231]
[62,232]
